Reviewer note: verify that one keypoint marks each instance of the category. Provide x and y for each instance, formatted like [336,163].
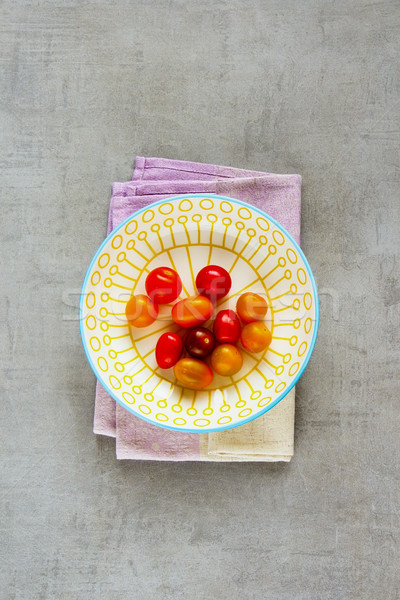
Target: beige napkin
[269,438]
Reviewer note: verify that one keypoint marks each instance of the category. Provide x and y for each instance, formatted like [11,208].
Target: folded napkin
[268,438]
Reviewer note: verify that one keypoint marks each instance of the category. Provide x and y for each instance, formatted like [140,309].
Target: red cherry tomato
[227,327]
[168,350]
[192,311]
[141,311]
[193,373]
[199,342]
[214,282]
[163,285]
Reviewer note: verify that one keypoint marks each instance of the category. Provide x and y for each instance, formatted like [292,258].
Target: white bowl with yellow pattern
[189,232]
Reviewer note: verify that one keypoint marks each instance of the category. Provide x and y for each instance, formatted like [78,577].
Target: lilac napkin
[155,179]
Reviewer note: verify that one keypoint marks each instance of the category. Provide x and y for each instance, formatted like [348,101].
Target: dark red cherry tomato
[168,350]
[227,327]
[163,285]
[214,282]
[199,342]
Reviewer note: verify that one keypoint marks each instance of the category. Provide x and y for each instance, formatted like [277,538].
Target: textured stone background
[310,87]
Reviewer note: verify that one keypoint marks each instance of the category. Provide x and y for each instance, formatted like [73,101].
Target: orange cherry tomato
[193,373]
[141,311]
[192,311]
[251,307]
[255,337]
[226,359]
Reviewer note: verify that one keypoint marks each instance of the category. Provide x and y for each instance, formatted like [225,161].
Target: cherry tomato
[199,342]
[168,350]
[214,282]
[255,336]
[193,373]
[227,327]
[141,311]
[163,285]
[251,307]
[192,311]
[226,359]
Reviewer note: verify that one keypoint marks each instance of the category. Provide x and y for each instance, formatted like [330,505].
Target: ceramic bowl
[189,232]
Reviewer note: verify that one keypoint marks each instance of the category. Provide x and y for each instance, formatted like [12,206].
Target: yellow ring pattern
[302,349]
[166,208]
[90,300]
[244,213]
[148,216]
[115,382]
[102,364]
[91,322]
[95,343]
[292,256]
[226,207]
[224,420]
[308,301]
[264,401]
[103,261]
[278,237]
[95,278]
[162,417]
[131,227]
[185,205]
[180,421]
[301,276]
[206,204]
[129,399]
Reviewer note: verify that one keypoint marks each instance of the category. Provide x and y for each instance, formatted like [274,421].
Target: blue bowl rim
[309,271]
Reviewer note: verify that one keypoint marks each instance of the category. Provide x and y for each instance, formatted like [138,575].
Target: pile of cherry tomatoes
[205,350]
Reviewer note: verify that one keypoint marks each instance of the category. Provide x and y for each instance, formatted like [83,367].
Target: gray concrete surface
[309,87]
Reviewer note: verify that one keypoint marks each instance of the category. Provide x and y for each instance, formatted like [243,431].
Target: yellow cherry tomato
[251,307]
[193,373]
[192,311]
[226,359]
[141,311]
[255,337]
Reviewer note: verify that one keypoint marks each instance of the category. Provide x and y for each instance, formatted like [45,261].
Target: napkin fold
[268,438]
